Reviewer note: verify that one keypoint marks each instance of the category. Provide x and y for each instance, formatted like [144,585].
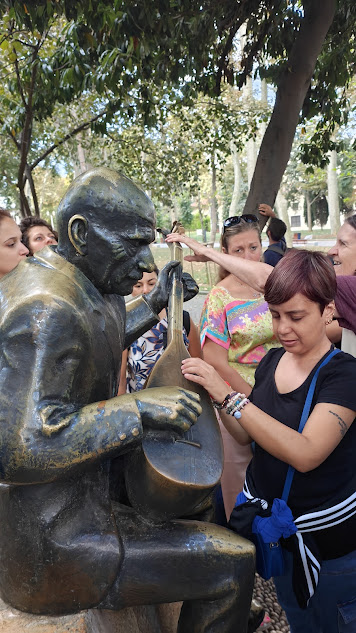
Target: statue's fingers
[190,395]
[167,269]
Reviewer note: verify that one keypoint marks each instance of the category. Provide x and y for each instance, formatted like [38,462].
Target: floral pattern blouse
[242,326]
[143,354]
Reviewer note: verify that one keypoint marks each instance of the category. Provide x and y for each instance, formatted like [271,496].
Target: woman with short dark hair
[318,587]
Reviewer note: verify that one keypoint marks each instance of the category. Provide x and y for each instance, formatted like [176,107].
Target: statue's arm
[48,372]
[47,426]
[141,313]
[139,318]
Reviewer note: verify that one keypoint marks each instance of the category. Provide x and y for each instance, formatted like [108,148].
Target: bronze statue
[64,544]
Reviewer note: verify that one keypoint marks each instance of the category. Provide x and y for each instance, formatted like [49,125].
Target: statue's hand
[190,286]
[157,299]
[168,408]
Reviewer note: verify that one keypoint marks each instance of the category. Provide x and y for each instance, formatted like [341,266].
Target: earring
[329,320]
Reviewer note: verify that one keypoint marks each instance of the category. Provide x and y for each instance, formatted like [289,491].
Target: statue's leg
[208,567]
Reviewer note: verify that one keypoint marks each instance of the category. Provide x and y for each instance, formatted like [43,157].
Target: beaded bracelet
[221,405]
[235,401]
[236,411]
[233,395]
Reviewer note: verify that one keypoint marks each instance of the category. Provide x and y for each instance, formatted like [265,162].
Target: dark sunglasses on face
[236,219]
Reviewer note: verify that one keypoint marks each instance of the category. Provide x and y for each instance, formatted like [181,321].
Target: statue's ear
[77,233]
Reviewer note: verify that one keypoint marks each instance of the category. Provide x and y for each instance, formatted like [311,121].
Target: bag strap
[276,249]
[303,419]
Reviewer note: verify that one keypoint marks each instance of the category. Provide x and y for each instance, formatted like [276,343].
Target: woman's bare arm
[217,357]
[218,389]
[334,331]
[324,430]
[254,274]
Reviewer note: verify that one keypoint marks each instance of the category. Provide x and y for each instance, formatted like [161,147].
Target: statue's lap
[146,619]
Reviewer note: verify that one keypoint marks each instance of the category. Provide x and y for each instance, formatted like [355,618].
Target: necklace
[255,294]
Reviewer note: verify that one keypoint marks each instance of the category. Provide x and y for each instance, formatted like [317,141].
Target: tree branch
[17,144]
[27,129]
[224,54]
[74,132]
[19,82]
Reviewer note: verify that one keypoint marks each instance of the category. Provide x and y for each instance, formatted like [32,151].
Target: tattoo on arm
[342,424]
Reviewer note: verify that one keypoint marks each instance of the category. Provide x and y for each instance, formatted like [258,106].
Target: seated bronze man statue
[64,546]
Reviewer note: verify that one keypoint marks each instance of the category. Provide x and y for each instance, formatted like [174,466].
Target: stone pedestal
[147,619]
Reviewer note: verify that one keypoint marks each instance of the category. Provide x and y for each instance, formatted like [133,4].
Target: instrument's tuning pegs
[178,227]
[164,232]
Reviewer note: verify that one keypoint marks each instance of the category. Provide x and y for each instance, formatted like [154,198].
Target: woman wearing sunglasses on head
[236,333]
[255,274]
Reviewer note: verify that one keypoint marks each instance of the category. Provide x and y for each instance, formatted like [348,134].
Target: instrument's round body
[169,477]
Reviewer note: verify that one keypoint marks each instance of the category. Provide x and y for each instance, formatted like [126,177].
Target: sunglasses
[236,219]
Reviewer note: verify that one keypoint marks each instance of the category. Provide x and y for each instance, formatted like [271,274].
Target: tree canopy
[132,62]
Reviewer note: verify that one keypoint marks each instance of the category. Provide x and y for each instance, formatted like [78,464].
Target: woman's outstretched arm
[254,274]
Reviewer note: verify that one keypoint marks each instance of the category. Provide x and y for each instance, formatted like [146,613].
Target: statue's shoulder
[47,279]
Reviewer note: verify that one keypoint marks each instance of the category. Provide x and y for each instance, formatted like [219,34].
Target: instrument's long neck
[175,304]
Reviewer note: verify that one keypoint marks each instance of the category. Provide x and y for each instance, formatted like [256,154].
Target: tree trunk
[213,202]
[309,213]
[237,180]
[333,194]
[264,103]
[174,211]
[25,209]
[251,143]
[282,208]
[31,183]
[201,218]
[81,165]
[277,141]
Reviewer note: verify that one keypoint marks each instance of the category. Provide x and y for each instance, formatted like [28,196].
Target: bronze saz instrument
[170,476]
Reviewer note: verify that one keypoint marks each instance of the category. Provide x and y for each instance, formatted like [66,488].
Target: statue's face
[118,255]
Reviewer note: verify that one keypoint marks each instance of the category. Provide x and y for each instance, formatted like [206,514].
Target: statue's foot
[257,613]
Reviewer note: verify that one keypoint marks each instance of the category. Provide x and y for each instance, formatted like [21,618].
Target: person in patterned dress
[236,333]
[140,358]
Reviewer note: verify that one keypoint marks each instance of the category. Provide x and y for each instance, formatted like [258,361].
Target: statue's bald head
[101,210]
[100,195]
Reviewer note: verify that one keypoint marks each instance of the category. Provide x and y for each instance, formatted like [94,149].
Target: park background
[211,107]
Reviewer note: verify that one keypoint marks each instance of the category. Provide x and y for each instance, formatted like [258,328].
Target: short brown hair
[308,272]
[26,225]
[351,220]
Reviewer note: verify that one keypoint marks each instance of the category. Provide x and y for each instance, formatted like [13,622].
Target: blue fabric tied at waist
[279,524]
